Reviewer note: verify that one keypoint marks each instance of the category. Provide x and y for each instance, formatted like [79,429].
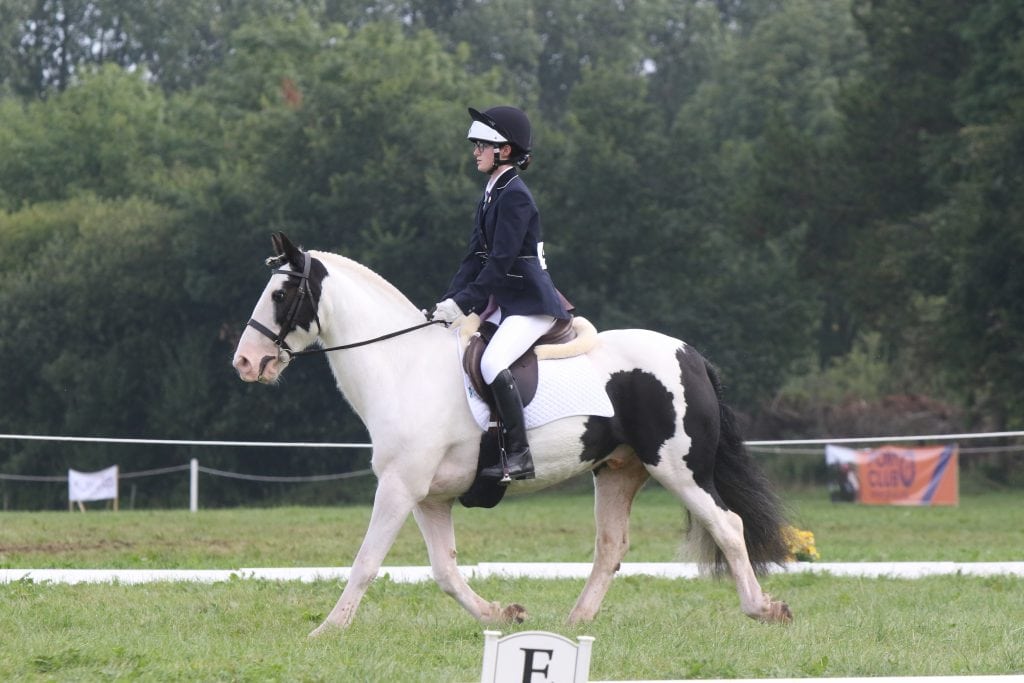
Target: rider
[503,277]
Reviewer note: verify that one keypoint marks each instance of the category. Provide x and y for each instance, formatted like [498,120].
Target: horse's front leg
[435,521]
[391,506]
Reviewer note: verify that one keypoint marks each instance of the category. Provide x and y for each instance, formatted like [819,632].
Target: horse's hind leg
[434,518]
[615,486]
[726,530]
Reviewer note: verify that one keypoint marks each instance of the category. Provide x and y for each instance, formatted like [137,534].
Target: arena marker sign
[535,657]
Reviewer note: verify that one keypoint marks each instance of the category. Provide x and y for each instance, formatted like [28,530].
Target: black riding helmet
[502,125]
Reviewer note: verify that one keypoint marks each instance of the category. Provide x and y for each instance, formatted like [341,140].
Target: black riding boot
[517,450]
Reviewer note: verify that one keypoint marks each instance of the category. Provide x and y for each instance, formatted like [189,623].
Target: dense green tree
[746,153]
[108,136]
[597,202]
[898,111]
[355,141]
[685,42]
[505,41]
[982,224]
[47,44]
[92,298]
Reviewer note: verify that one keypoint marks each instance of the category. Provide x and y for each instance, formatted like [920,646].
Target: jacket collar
[502,181]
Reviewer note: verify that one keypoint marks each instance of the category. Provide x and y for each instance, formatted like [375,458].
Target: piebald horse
[669,423]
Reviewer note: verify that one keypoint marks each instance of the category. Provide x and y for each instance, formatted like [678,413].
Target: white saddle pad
[565,387]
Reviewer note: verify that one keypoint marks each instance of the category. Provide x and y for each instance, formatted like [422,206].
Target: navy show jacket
[503,259]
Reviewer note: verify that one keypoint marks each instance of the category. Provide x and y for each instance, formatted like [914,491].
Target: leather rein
[285,353]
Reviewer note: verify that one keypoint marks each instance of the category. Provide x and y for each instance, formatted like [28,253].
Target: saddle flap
[524,369]
[567,338]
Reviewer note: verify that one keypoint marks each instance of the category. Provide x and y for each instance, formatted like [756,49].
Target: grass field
[648,628]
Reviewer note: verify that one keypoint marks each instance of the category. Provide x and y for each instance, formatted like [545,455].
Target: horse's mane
[365,274]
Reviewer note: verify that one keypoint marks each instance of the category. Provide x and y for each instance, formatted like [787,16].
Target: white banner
[86,486]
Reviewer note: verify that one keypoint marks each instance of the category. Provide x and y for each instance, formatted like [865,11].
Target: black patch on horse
[702,421]
[283,298]
[644,418]
[485,493]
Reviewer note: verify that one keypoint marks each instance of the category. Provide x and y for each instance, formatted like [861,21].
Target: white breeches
[515,335]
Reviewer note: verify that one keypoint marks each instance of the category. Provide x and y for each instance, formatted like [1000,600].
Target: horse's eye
[278,296]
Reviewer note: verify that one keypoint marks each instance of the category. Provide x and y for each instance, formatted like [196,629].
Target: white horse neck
[357,304]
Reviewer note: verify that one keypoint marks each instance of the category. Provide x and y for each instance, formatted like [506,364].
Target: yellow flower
[801,545]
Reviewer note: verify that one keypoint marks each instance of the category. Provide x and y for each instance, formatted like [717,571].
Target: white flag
[85,486]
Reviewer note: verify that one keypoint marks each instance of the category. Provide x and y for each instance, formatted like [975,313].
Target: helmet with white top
[503,125]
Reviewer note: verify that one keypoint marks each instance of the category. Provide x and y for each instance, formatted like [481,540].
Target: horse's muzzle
[263,368]
[248,370]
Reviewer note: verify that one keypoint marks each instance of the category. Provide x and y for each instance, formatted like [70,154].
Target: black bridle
[284,352]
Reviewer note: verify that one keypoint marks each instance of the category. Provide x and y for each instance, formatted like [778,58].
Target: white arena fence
[193,467]
[787,447]
[504,570]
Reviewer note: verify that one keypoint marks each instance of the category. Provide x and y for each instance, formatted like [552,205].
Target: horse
[407,386]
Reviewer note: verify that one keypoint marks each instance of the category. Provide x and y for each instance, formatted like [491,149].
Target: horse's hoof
[514,614]
[778,613]
[785,615]
[322,629]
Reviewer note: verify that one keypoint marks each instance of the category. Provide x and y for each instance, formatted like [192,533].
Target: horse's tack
[524,369]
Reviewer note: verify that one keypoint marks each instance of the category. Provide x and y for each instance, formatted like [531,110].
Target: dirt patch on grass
[63,547]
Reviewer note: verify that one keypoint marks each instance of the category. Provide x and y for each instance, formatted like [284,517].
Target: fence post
[193,485]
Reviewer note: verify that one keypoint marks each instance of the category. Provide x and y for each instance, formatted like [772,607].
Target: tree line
[823,196]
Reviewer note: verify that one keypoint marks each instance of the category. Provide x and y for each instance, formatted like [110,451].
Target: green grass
[540,528]
[648,628]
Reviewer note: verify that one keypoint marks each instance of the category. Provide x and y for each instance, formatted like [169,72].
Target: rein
[289,354]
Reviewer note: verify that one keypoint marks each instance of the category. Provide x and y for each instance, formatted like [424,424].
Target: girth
[524,369]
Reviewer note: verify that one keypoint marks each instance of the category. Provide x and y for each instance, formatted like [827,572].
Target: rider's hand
[447,311]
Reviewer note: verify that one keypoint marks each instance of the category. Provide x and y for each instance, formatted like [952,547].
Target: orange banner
[891,475]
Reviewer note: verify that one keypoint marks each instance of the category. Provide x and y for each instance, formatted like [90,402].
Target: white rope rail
[180,468]
[261,477]
[183,442]
[775,447]
[889,439]
[205,470]
[312,444]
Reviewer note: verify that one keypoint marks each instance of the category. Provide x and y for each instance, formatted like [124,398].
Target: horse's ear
[279,239]
[284,247]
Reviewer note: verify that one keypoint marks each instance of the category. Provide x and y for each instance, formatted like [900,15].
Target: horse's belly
[557,452]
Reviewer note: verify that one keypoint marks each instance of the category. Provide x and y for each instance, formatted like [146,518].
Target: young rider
[503,277]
